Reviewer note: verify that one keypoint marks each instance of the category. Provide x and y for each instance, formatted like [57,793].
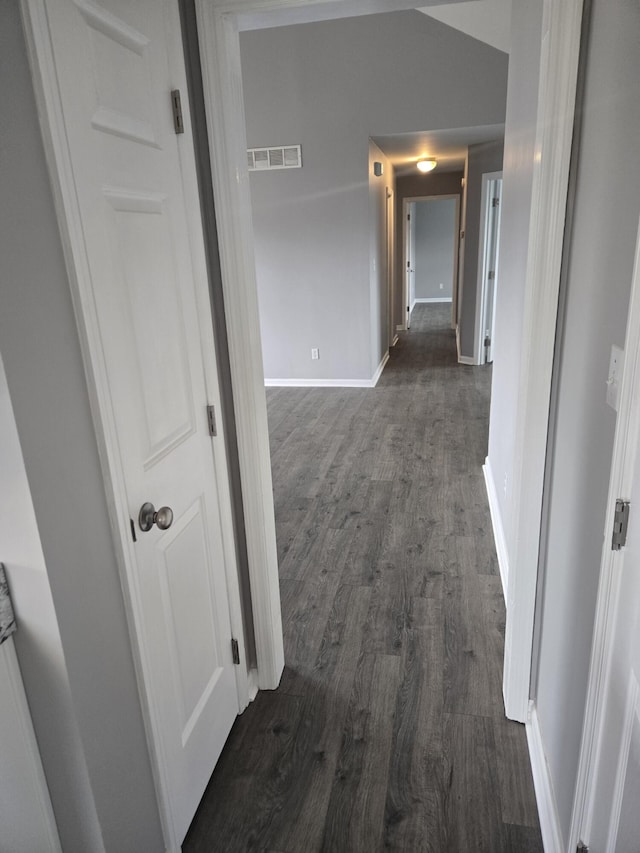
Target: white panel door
[116,64]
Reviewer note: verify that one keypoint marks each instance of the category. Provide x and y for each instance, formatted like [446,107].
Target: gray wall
[436,242]
[330,86]
[414,186]
[482,158]
[519,139]
[45,377]
[599,274]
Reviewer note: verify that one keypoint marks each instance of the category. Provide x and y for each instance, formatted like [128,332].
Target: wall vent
[275,157]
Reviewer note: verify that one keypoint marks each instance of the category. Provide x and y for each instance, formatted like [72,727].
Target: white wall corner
[498,527]
[545,796]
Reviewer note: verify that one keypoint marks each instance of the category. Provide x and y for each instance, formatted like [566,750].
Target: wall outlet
[315,353]
[615,374]
[441,286]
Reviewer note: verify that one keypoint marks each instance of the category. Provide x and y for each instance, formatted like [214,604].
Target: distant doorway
[430,228]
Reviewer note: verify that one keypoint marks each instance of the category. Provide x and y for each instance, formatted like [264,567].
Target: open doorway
[430,226]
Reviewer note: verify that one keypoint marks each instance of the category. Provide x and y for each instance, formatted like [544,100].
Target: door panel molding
[35,15]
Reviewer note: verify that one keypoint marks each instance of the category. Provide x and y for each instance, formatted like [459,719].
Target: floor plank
[387,731]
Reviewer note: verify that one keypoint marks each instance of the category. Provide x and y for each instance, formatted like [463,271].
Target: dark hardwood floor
[387,731]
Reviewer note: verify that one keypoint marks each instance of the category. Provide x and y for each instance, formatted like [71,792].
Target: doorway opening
[430,262]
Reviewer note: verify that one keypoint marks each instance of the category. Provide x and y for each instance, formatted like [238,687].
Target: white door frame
[622,469]
[390,200]
[218,24]
[50,112]
[561,34]
[483,265]
[405,208]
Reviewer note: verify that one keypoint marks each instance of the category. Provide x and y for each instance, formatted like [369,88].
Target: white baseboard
[545,797]
[330,383]
[395,341]
[433,299]
[401,328]
[413,305]
[498,528]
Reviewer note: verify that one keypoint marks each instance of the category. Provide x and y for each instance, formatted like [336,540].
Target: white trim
[498,528]
[31,772]
[330,383]
[627,436]
[395,340]
[562,25]
[631,714]
[483,265]
[545,797]
[433,299]
[222,82]
[401,328]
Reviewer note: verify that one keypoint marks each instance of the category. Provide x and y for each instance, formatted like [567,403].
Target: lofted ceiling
[486,20]
[449,147]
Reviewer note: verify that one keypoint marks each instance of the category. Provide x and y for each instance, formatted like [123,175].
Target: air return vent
[277,157]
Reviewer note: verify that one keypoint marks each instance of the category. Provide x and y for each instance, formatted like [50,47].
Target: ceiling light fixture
[427,164]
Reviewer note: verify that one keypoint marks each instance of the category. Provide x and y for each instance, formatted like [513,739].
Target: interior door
[117,63]
[410,261]
[491,266]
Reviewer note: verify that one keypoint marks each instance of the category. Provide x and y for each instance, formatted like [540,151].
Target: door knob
[148,517]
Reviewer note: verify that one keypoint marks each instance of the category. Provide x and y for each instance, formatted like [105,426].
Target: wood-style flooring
[388,730]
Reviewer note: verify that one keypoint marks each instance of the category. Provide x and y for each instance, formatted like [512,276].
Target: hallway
[387,731]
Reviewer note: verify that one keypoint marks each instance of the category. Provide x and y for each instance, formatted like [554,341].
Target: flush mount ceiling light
[427,164]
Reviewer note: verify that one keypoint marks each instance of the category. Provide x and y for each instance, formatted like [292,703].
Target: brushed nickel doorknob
[148,517]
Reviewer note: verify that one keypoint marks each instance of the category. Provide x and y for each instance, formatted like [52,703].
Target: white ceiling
[486,20]
[449,147]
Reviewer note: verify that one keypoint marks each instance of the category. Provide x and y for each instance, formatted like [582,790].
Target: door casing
[219,24]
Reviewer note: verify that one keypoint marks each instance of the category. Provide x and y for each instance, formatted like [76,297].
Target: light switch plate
[615,374]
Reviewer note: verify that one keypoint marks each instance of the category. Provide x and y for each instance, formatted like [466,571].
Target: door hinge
[487,341]
[211,420]
[408,217]
[133,530]
[492,275]
[176,106]
[495,202]
[235,651]
[620,525]
[582,847]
